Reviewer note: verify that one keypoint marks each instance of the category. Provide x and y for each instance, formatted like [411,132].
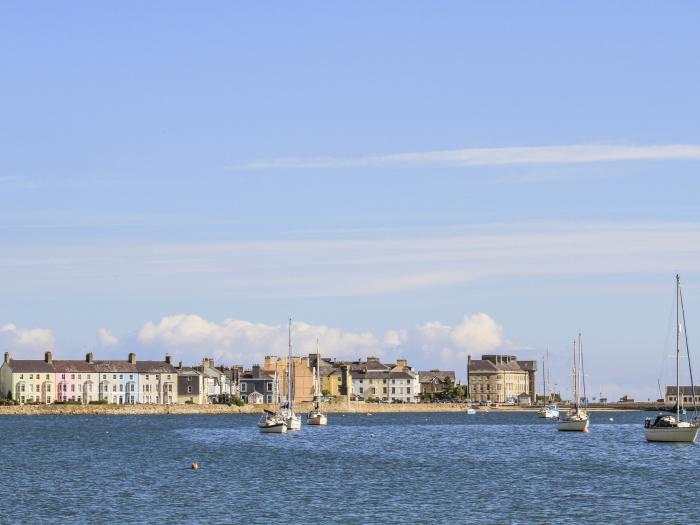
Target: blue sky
[403,178]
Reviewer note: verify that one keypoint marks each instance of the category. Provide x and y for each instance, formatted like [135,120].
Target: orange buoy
[195,466]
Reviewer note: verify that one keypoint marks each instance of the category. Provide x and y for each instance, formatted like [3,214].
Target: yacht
[548,411]
[315,416]
[671,428]
[273,422]
[287,409]
[576,419]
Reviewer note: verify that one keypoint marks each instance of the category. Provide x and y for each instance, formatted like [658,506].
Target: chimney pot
[132,358]
[88,357]
[7,357]
[48,357]
[169,359]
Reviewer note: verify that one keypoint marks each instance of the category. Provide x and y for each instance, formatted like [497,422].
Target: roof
[433,375]
[187,371]
[155,367]
[484,365]
[66,365]
[381,375]
[528,366]
[685,390]
[115,367]
[30,365]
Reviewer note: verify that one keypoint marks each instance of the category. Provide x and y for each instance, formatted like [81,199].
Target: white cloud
[26,343]
[450,345]
[106,338]
[190,337]
[564,154]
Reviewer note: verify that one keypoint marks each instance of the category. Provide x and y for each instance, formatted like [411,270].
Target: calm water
[390,468]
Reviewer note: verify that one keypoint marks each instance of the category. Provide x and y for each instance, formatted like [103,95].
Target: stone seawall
[331,408]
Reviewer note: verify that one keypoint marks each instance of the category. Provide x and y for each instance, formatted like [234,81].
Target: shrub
[99,402]
[235,400]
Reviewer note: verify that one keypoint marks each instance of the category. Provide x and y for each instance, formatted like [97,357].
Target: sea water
[383,468]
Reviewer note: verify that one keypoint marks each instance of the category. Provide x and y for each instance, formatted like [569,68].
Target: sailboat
[287,410]
[273,422]
[548,411]
[576,420]
[666,427]
[315,416]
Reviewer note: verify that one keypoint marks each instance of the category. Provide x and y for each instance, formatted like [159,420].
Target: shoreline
[302,408]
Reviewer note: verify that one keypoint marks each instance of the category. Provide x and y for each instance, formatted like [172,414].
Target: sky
[404,179]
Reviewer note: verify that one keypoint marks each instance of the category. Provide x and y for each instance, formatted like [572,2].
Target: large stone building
[433,382]
[500,378]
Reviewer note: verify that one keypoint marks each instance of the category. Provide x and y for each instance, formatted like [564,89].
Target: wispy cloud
[563,154]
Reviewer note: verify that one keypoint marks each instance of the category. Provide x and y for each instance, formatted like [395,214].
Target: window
[114,376]
[384,390]
[47,376]
[393,390]
[38,388]
[360,390]
[189,389]
[168,376]
[63,376]
[189,379]
[31,376]
[408,390]
[65,387]
[132,387]
[21,376]
[121,376]
[72,376]
[244,387]
[114,389]
[131,376]
[48,388]
[104,376]
[269,387]
[360,380]
[393,381]
[146,376]
[72,388]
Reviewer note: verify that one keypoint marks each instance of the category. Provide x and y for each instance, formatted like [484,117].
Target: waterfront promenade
[330,408]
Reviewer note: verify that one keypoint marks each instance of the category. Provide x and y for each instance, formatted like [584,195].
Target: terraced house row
[49,381]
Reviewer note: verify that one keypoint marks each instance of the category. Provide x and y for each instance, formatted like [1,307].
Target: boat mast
[544,385]
[678,350]
[575,380]
[687,352]
[290,396]
[317,386]
[583,370]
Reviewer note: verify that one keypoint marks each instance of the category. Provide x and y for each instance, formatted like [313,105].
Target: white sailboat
[666,427]
[287,410]
[548,411]
[315,416]
[272,422]
[576,420]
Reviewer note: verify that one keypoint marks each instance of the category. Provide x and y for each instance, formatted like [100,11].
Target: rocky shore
[331,408]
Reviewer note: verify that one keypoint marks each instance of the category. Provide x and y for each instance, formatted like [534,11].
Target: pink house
[76,380]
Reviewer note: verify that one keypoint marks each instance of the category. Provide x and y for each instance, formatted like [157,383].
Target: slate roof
[117,367]
[155,367]
[63,366]
[30,365]
[484,365]
[381,375]
[685,390]
[439,375]
[187,371]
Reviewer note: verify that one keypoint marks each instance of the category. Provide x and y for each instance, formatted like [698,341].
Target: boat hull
[687,434]
[317,419]
[276,428]
[293,422]
[568,425]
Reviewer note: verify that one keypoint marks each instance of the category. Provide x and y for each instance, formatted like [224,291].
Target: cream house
[28,380]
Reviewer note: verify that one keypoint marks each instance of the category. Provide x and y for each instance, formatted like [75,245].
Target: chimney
[180,365]
[256,370]
[88,357]
[169,359]
[7,357]
[48,358]
[132,358]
